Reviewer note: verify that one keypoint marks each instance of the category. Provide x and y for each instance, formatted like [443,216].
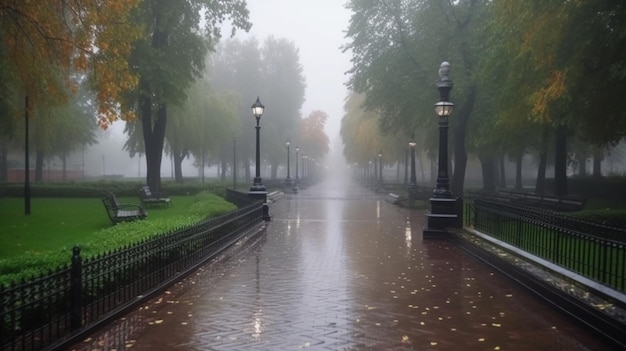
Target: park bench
[122,212]
[148,198]
[394,199]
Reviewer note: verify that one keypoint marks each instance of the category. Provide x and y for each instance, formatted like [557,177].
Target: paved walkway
[338,268]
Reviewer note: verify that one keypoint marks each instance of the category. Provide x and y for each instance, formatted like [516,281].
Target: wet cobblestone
[338,268]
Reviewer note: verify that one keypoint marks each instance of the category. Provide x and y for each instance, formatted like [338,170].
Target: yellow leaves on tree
[368,139]
[553,90]
[313,136]
[51,43]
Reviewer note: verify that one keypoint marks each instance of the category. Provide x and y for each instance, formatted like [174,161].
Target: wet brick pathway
[338,268]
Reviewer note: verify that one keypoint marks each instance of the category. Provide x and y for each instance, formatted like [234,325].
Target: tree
[283,96]
[397,47]
[44,38]
[566,60]
[274,73]
[363,139]
[169,57]
[236,66]
[312,137]
[359,131]
[60,130]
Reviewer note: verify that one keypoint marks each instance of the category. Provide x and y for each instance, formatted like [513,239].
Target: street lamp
[304,167]
[257,190]
[297,151]
[443,109]
[288,180]
[257,187]
[444,209]
[380,167]
[412,181]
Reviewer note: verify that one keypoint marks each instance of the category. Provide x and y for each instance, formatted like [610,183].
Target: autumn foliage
[49,45]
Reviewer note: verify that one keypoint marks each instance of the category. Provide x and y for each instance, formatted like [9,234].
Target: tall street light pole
[257,185]
[288,180]
[295,183]
[380,168]
[443,109]
[446,212]
[412,180]
[257,190]
[304,168]
[297,152]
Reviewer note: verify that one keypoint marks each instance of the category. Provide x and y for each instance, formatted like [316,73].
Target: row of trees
[530,77]
[65,64]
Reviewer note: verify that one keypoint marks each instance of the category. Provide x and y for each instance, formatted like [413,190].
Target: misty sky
[317,29]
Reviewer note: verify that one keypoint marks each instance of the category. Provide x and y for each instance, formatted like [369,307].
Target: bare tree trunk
[560,162]
[460,133]
[502,172]
[154,137]
[178,166]
[488,166]
[598,156]
[540,185]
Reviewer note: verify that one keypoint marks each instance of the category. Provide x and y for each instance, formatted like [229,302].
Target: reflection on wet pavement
[340,269]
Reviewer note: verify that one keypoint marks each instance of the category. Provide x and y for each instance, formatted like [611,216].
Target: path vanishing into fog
[338,268]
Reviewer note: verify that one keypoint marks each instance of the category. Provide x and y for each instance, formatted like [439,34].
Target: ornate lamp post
[412,180]
[444,208]
[443,109]
[288,179]
[257,190]
[257,186]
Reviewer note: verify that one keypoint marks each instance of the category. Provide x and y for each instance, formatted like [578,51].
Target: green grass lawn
[34,244]
[60,222]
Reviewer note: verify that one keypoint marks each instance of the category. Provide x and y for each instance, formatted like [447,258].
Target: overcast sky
[317,28]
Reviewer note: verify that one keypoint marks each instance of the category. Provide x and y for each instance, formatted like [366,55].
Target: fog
[317,30]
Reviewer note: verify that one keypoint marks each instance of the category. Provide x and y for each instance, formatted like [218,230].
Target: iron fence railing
[43,312]
[594,251]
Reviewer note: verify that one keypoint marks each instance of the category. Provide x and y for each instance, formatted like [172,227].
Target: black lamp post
[297,152]
[257,187]
[412,180]
[294,184]
[380,168]
[444,209]
[288,180]
[443,109]
[257,190]
[406,166]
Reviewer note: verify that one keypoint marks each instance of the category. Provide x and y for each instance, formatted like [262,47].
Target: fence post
[76,286]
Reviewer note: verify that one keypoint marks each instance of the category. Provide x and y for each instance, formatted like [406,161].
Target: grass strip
[35,244]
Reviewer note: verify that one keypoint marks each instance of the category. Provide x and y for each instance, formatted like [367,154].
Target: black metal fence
[589,249]
[45,312]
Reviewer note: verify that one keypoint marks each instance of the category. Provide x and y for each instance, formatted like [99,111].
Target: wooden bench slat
[147,197]
[122,212]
